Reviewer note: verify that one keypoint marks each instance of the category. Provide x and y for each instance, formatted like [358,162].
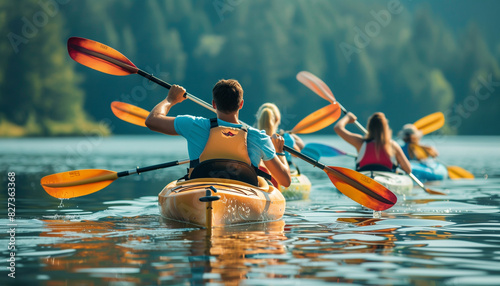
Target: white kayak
[400,184]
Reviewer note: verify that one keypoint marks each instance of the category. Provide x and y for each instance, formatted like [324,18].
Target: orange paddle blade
[316,84]
[130,113]
[99,57]
[361,189]
[433,192]
[430,123]
[77,183]
[318,120]
[455,172]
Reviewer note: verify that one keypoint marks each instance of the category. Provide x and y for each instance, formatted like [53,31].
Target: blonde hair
[380,132]
[268,118]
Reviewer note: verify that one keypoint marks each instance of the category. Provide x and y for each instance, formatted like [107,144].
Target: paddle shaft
[167,86]
[360,127]
[306,158]
[152,168]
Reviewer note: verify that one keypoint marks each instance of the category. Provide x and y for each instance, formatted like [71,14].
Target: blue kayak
[429,170]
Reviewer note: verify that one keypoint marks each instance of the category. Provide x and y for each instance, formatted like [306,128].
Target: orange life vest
[226,156]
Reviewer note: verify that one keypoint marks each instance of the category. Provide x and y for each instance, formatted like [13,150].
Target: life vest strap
[194,165]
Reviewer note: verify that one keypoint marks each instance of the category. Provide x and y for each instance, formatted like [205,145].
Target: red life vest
[367,158]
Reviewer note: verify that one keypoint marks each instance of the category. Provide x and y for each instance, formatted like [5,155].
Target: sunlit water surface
[116,236]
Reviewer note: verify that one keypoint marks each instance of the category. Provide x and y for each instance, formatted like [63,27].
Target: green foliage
[38,85]
[417,62]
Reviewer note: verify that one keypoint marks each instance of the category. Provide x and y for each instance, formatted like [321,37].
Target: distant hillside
[407,59]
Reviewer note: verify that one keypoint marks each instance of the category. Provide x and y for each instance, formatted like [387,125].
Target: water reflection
[107,251]
[116,236]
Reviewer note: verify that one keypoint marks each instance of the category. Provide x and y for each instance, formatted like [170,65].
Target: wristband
[280,154]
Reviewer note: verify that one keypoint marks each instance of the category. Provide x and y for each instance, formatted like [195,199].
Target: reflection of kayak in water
[429,170]
[400,184]
[299,189]
[233,202]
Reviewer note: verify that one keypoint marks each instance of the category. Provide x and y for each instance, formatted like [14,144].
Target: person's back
[204,136]
[376,150]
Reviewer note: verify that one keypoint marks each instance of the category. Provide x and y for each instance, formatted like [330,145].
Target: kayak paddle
[77,183]
[320,88]
[317,85]
[431,123]
[318,120]
[360,188]
[108,60]
[130,113]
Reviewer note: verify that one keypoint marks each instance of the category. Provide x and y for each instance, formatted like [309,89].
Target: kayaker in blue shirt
[227,100]
[376,149]
[413,150]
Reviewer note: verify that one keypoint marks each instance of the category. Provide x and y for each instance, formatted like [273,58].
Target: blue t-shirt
[197,129]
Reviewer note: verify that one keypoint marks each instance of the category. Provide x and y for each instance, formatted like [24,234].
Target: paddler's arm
[401,157]
[278,166]
[431,151]
[158,120]
[354,139]
[299,144]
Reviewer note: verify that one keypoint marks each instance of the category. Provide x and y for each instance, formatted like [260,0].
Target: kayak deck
[429,170]
[400,184]
[233,202]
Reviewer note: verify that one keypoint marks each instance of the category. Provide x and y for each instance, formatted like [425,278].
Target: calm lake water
[117,237]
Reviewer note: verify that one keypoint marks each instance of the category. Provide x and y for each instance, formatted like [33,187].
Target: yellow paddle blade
[318,120]
[418,151]
[77,183]
[99,57]
[316,84]
[430,123]
[361,189]
[130,113]
[455,172]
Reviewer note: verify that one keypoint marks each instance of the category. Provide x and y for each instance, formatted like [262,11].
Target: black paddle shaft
[304,157]
[151,168]
[154,79]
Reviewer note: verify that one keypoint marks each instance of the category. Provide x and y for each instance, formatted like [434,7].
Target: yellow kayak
[299,189]
[213,202]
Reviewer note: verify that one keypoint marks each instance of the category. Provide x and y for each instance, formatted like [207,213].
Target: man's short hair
[227,95]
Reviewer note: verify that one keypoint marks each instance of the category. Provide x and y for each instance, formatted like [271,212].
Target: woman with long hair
[376,151]
[268,119]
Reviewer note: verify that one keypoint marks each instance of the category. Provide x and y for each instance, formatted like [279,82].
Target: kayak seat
[226,169]
[374,167]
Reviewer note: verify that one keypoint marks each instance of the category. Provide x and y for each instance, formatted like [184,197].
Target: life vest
[367,158]
[226,156]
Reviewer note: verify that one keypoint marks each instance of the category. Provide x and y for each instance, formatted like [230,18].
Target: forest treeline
[375,56]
